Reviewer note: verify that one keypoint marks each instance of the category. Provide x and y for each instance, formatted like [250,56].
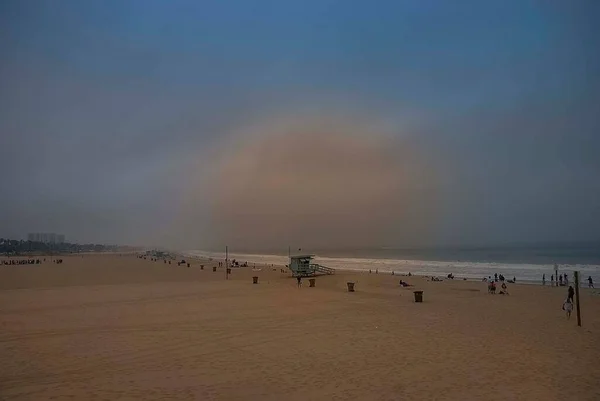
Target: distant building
[47,238]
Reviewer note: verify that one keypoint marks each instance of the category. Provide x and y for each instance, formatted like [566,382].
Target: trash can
[214,268]
[228,270]
[255,280]
[350,286]
[312,282]
[418,296]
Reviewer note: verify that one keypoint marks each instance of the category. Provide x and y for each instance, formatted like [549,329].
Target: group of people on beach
[492,288]
[499,277]
[20,262]
[563,280]
[13,262]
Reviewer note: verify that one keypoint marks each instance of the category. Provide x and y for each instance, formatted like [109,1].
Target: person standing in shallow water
[299,281]
[543,279]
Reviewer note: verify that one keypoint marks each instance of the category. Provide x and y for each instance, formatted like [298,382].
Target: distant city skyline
[47,238]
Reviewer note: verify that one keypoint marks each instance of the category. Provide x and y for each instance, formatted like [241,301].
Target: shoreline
[396,261]
[523,273]
[457,278]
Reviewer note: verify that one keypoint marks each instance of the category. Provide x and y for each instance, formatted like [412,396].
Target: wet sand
[109,327]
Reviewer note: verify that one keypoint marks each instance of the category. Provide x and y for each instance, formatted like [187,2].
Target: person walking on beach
[566,279]
[299,281]
[552,280]
[568,307]
[543,279]
[570,293]
[590,282]
[560,280]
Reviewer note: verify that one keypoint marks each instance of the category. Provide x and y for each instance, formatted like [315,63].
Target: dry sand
[115,327]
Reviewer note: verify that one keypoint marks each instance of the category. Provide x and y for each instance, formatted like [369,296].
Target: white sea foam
[469,270]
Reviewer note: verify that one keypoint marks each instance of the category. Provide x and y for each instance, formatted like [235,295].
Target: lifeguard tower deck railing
[302,266]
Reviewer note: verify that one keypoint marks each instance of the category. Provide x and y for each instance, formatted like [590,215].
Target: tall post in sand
[556,274]
[226,262]
[576,274]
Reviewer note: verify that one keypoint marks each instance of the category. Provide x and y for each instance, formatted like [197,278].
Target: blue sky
[437,54]
[116,97]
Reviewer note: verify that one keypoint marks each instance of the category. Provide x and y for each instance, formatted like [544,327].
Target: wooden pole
[576,274]
[226,262]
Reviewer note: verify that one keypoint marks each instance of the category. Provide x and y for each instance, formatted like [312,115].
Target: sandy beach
[110,327]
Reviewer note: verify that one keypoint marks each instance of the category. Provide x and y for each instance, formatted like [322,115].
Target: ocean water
[526,263]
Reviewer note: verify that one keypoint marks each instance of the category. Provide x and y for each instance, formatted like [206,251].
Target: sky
[200,124]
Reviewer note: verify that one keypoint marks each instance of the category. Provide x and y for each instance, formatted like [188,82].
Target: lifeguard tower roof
[302,256]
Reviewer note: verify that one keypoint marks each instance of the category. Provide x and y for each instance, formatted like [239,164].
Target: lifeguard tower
[302,266]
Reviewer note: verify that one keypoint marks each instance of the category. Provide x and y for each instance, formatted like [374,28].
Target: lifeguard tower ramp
[302,266]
